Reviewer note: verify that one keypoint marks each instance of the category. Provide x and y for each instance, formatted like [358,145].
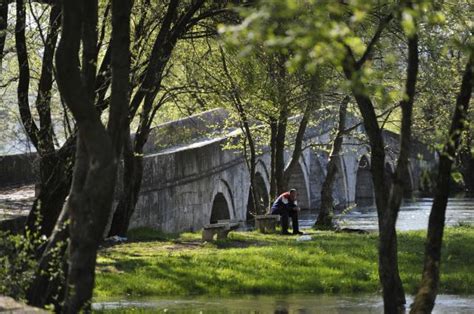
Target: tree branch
[368,51]
[24,75]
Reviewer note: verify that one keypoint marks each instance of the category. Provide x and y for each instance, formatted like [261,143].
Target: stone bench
[221,228]
[266,223]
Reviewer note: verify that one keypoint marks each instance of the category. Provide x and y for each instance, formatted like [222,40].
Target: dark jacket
[284,201]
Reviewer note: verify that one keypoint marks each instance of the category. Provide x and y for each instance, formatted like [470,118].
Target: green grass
[154,264]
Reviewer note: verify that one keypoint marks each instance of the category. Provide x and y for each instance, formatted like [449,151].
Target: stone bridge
[188,185]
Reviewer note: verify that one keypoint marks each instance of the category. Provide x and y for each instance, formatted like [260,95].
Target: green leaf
[457,177]
[408,23]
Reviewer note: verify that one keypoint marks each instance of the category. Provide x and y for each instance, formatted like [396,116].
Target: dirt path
[16,201]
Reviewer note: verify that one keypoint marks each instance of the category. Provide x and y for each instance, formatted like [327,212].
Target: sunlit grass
[154,264]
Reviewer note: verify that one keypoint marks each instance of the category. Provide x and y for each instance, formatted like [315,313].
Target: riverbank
[152,264]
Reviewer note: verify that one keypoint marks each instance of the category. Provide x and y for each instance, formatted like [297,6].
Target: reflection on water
[282,304]
[413,215]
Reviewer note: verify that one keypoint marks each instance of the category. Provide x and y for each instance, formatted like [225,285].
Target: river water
[414,214]
[304,303]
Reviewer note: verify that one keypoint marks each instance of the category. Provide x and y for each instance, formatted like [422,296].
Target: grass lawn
[153,264]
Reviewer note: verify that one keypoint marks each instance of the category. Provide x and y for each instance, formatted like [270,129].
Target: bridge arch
[220,208]
[299,181]
[223,206]
[364,185]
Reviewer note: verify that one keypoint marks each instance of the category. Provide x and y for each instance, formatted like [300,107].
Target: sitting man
[286,206]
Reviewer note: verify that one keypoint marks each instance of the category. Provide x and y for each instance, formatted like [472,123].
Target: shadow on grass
[145,234]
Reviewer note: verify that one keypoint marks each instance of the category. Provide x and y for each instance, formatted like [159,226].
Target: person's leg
[283,218]
[294,221]
[284,222]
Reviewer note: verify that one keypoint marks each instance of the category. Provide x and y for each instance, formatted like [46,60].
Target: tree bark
[298,146]
[388,237]
[324,220]
[24,74]
[279,76]
[387,201]
[54,166]
[427,292]
[132,173]
[47,206]
[47,287]
[133,158]
[280,149]
[3,29]
[273,134]
[92,190]
[54,189]
[466,162]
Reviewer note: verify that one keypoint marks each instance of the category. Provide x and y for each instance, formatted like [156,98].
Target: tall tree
[387,200]
[290,92]
[3,29]
[250,146]
[325,215]
[427,292]
[90,199]
[98,147]
[43,136]
[54,164]
[177,21]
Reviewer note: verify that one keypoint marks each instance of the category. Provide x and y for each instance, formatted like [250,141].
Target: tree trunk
[387,201]
[388,237]
[245,128]
[466,162]
[273,185]
[172,28]
[324,220]
[92,190]
[48,287]
[56,166]
[279,76]
[133,159]
[53,190]
[24,75]
[131,180]
[3,29]
[280,150]
[298,147]
[426,295]
[53,164]
[250,160]
[89,204]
